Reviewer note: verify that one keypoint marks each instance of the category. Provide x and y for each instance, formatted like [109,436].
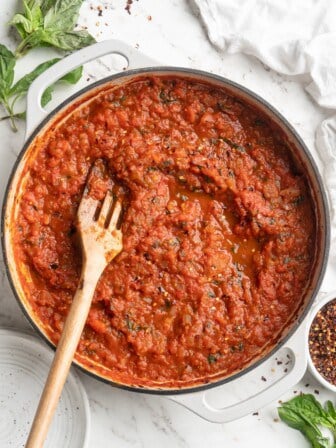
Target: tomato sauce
[218,236]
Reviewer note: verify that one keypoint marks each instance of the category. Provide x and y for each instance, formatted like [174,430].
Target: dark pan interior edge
[225,82]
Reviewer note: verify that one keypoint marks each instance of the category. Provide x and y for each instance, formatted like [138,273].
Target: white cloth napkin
[291,37]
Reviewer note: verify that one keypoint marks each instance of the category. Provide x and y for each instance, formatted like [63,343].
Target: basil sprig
[42,23]
[307,415]
[10,92]
[50,23]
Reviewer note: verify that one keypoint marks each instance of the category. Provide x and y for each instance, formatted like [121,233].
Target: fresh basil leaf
[42,23]
[22,24]
[32,40]
[294,418]
[7,64]
[46,5]
[316,440]
[310,431]
[9,94]
[71,78]
[30,20]
[33,13]
[22,86]
[31,3]
[50,23]
[47,95]
[74,76]
[68,41]
[330,408]
[63,15]
[306,414]
[291,418]
[21,115]
[309,408]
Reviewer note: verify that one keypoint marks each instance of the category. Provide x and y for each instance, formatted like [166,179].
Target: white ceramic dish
[316,308]
[24,364]
[293,338]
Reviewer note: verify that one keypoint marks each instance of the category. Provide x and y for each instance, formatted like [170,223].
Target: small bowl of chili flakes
[322,341]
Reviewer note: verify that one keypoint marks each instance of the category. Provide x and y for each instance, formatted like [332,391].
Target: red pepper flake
[149,18]
[128,6]
[322,342]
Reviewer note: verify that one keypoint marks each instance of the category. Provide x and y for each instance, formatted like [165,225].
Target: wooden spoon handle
[60,366]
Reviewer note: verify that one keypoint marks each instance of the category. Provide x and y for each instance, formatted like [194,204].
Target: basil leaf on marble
[70,78]
[7,64]
[30,20]
[22,86]
[50,23]
[10,93]
[306,414]
[61,14]
[69,40]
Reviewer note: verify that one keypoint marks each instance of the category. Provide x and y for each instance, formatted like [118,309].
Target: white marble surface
[169,32]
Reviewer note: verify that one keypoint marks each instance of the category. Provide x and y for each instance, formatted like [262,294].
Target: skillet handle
[36,113]
[197,402]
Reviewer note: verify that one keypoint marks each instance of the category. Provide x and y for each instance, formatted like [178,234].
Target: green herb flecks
[222,106]
[237,348]
[233,144]
[166,97]
[50,23]
[151,169]
[132,326]
[299,200]
[212,358]
[259,122]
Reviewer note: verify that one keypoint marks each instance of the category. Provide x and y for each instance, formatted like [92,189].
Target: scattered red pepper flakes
[322,342]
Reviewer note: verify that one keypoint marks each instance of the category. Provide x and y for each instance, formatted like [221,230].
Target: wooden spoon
[101,241]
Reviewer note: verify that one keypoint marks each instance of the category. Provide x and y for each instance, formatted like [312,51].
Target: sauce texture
[218,236]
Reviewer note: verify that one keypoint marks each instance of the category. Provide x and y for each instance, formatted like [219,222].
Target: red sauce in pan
[218,237]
